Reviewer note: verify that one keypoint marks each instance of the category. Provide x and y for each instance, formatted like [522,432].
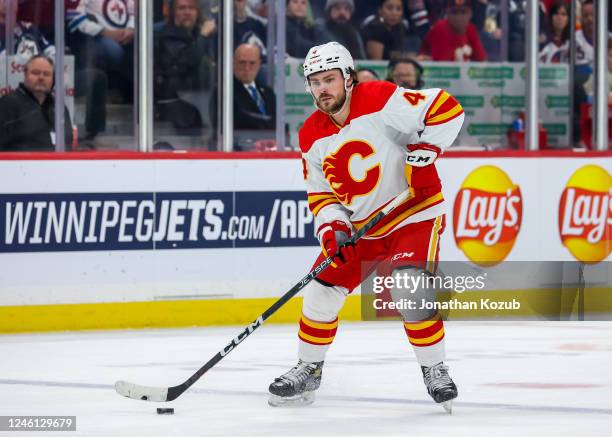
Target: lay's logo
[585,214]
[487,215]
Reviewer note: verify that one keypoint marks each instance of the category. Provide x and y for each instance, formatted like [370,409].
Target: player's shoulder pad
[317,126]
[370,97]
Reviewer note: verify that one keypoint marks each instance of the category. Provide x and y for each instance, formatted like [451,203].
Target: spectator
[258,9]
[386,34]
[454,38]
[254,103]
[248,30]
[28,39]
[406,73]
[584,63]
[584,38]
[337,26]
[27,115]
[366,75]
[517,30]
[589,86]
[183,61]
[300,33]
[419,16]
[556,49]
[101,34]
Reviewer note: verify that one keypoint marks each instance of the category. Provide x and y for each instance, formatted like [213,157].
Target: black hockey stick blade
[166,394]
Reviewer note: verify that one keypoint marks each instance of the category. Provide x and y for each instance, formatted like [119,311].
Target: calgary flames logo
[585,214]
[487,215]
[337,171]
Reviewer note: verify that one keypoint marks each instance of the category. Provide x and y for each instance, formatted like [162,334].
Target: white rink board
[118,275]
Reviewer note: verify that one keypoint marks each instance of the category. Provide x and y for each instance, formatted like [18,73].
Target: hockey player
[366,144]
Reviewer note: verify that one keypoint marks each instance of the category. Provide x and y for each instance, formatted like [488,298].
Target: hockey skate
[297,386]
[440,386]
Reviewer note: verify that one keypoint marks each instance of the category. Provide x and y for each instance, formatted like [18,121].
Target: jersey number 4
[414,98]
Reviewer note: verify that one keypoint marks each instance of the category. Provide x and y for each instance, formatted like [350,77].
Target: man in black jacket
[337,26]
[184,62]
[254,103]
[27,115]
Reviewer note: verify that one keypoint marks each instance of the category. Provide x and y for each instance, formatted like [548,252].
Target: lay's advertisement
[585,214]
[487,215]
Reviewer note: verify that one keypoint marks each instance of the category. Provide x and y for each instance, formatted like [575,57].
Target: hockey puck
[165,411]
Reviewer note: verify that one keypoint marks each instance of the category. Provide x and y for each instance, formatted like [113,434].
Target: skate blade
[300,400]
[448,406]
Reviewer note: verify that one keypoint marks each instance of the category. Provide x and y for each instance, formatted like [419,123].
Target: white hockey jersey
[353,171]
[93,16]
[551,53]
[584,50]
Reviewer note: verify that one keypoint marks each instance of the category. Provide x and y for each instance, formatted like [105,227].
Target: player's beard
[338,103]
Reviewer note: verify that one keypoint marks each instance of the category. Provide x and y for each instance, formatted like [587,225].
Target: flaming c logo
[487,215]
[585,214]
[337,171]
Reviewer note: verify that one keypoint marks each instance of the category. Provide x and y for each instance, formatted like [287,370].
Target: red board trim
[128,155]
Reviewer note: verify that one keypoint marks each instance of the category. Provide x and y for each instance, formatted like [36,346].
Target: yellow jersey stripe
[441,100]
[410,211]
[323,204]
[433,244]
[445,116]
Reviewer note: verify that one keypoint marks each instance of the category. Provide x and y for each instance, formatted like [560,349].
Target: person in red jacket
[454,38]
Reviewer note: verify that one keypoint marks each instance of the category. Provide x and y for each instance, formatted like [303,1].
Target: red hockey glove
[332,236]
[421,155]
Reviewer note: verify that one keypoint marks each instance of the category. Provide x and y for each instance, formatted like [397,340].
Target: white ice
[514,379]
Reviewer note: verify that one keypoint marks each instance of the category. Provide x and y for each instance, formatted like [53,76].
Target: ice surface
[514,379]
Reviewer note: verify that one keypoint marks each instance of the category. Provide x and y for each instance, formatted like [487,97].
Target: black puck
[165,411]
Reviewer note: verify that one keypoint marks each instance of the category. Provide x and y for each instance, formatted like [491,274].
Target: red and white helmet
[327,57]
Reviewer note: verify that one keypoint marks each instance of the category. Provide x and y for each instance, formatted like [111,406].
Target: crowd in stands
[100,34]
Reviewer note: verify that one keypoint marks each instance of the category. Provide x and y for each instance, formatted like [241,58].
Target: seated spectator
[337,26]
[454,38]
[258,9]
[516,33]
[406,73]
[183,61]
[254,103]
[101,34]
[248,30]
[584,62]
[300,32]
[366,75]
[27,115]
[386,34]
[584,39]
[419,16]
[28,39]
[556,49]
[589,85]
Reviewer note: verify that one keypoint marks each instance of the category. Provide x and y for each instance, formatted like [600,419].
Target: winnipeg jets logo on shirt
[347,184]
[116,12]
[26,49]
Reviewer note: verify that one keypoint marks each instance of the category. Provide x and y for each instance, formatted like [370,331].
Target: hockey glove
[421,155]
[332,237]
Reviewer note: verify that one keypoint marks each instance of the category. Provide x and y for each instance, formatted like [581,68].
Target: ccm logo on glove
[421,155]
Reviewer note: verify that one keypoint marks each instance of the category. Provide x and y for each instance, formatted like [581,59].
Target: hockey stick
[165,394]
